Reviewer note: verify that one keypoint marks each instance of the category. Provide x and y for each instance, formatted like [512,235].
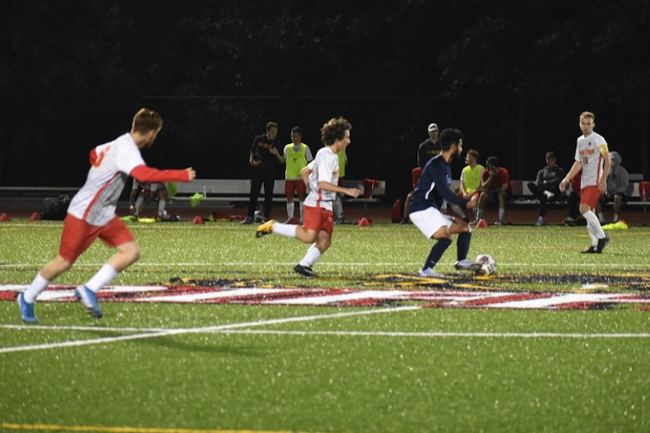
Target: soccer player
[322,175]
[470,178]
[296,155]
[592,156]
[91,214]
[431,192]
[495,187]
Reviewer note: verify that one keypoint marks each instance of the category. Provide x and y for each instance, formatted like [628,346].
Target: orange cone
[197,220]
[482,224]
[4,217]
[364,222]
[36,216]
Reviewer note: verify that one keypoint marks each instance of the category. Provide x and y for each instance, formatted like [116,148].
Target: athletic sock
[312,256]
[301,210]
[291,207]
[594,224]
[38,285]
[458,211]
[288,230]
[104,276]
[161,206]
[337,204]
[436,253]
[502,213]
[138,204]
[479,214]
[462,245]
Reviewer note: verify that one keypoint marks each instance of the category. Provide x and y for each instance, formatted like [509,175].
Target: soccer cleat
[247,220]
[602,243]
[264,229]
[540,222]
[26,309]
[591,250]
[340,220]
[467,265]
[305,271]
[431,273]
[89,300]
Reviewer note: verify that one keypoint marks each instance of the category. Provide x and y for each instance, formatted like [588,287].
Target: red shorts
[78,236]
[590,196]
[415,176]
[318,219]
[295,185]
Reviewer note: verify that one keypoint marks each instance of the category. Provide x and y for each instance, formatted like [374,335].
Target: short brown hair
[588,115]
[146,120]
[334,130]
[473,153]
[271,125]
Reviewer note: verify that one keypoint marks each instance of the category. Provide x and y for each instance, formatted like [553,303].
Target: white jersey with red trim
[324,168]
[111,163]
[590,151]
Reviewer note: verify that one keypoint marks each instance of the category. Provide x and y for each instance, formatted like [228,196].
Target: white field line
[398,334]
[201,330]
[641,264]
[437,334]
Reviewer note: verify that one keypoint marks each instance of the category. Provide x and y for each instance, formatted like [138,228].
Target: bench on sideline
[229,191]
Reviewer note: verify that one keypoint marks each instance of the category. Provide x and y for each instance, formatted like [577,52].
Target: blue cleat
[89,301]
[26,309]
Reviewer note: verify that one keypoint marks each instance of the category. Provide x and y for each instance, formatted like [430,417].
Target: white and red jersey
[324,168]
[111,164]
[590,153]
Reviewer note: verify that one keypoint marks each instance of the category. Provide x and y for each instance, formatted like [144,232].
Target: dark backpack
[55,208]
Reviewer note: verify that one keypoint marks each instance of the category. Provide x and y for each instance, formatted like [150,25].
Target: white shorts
[430,220]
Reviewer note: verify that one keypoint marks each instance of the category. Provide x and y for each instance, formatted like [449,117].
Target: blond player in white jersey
[592,157]
[322,176]
[91,214]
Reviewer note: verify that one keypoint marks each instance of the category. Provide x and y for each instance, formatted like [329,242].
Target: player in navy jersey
[431,192]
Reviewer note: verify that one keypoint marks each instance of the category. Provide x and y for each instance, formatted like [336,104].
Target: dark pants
[573,205]
[261,175]
[538,191]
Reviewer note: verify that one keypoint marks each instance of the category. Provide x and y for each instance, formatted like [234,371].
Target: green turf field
[400,367]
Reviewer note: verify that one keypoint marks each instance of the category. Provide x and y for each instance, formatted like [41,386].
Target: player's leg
[434,225]
[589,198]
[502,206]
[618,202]
[256,186]
[463,242]
[289,188]
[301,190]
[76,237]
[269,184]
[161,193]
[483,200]
[323,240]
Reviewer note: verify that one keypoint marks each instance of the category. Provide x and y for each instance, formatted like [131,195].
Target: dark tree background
[513,75]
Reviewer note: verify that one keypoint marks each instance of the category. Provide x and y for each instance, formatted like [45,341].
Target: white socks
[502,213]
[288,230]
[104,276]
[290,209]
[38,285]
[138,204]
[161,206]
[312,256]
[593,227]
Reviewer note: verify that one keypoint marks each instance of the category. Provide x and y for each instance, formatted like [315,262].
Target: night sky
[513,76]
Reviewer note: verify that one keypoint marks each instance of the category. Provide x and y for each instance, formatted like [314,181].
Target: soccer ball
[488,265]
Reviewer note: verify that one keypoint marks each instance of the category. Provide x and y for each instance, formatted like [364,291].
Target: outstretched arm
[147,174]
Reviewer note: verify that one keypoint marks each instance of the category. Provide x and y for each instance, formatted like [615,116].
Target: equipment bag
[55,208]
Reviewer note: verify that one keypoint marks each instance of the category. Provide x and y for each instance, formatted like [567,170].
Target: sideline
[104,429]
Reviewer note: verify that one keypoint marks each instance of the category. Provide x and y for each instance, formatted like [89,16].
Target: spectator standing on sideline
[338,203]
[431,192]
[495,187]
[592,156]
[322,174]
[617,183]
[470,178]
[547,185]
[264,156]
[296,155]
[426,150]
[91,214]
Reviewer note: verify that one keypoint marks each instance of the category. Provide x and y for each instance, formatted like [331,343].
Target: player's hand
[353,192]
[274,151]
[563,185]
[191,174]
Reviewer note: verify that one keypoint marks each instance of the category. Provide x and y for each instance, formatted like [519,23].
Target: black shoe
[305,270]
[247,220]
[591,250]
[602,243]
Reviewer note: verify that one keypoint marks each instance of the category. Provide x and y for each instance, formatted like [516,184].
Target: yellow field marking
[104,429]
